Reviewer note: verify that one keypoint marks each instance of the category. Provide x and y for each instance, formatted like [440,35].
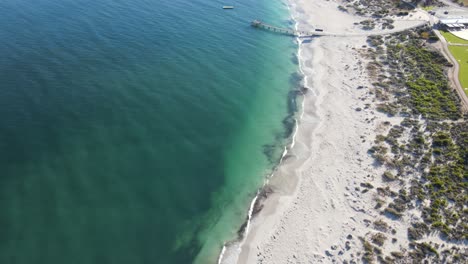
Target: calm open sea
[136,131]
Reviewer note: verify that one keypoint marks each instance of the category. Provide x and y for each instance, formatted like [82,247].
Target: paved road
[457,44]
[452,4]
[371,33]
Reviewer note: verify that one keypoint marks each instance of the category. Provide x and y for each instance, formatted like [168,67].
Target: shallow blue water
[136,131]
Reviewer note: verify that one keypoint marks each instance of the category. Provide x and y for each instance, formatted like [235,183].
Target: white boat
[228,7]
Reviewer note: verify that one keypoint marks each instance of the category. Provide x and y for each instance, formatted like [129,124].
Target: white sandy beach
[317,210]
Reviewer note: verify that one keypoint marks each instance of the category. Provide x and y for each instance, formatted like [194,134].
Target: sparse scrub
[428,154]
[379,239]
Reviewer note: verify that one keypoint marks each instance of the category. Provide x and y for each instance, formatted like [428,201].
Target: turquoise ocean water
[137,131]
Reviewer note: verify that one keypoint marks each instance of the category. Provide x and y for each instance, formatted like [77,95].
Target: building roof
[460,20]
[454,25]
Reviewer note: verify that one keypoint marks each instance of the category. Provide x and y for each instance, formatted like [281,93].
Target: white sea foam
[235,247]
[221,255]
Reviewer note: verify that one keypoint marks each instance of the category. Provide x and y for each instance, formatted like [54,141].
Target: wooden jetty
[285,31]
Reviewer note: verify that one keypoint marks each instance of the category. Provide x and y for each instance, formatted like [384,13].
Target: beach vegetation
[427,84]
[428,8]
[433,99]
[409,122]
[428,92]
[423,251]
[417,231]
[389,26]
[381,225]
[380,159]
[378,150]
[425,35]
[397,254]
[375,41]
[386,260]
[390,109]
[368,256]
[379,203]
[367,185]
[342,8]
[392,212]
[388,176]
[379,138]
[378,239]
[367,24]
[429,148]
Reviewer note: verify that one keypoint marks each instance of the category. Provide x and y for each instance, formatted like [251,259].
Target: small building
[454,23]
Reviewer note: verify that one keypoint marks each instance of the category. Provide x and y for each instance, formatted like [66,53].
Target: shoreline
[321,204]
[290,182]
[232,249]
[316,210]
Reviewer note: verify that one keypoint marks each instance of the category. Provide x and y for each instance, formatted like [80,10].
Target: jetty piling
[285,31]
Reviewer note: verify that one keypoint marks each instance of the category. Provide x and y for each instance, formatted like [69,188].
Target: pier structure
[321,32]
[280,30]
